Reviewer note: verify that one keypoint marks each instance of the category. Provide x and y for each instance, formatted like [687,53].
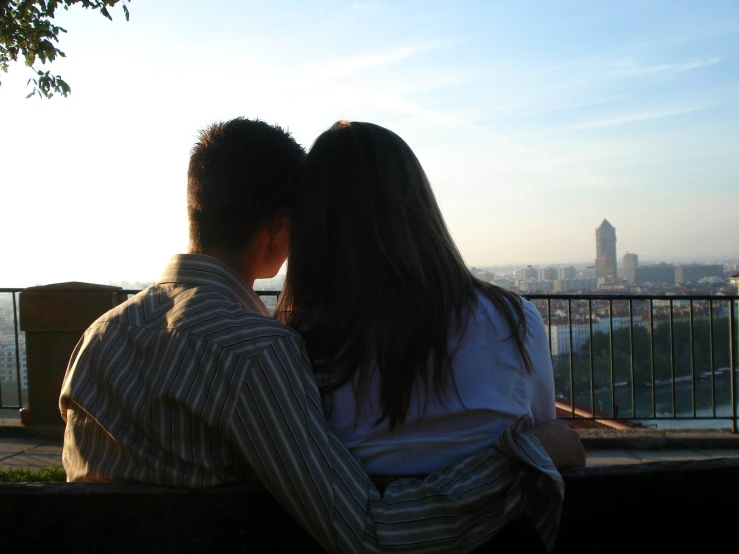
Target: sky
[534,120]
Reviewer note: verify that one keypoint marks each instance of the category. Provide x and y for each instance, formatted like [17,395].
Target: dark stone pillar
[54,318]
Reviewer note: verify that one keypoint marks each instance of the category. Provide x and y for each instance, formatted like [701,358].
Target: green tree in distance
[27,31]
[669,353]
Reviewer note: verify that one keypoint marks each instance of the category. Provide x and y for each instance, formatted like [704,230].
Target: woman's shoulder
[531,311]
[489,316]
[487,307]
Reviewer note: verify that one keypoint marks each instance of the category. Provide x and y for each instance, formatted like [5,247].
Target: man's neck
[235,260]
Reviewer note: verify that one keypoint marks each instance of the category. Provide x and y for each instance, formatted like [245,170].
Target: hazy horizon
[534,121]
[264,283]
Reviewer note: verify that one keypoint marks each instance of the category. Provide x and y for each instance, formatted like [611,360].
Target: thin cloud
[350,65]
[627,68]
[520,158]
[587,103]
[695,65]
[592,70]
[531,109]
[634,118]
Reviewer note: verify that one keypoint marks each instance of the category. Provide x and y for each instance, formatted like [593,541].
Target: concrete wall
[658,507]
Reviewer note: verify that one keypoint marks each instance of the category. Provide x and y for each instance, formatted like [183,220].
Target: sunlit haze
[534,120]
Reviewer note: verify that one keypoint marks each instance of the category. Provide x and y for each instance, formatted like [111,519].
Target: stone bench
[655,507]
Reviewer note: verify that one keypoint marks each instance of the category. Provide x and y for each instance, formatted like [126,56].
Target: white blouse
[492,383]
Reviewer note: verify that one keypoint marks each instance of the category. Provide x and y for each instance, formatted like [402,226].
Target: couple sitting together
[386,356]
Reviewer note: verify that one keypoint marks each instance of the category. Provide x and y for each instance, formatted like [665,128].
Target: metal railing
[6,385]
[625,357]
[644,358]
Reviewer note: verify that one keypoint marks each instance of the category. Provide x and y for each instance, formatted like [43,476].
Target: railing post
[18,373]
[572,357]
[54,318]
[733,363]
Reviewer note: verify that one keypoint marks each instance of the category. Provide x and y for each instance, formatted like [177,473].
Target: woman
[420,363]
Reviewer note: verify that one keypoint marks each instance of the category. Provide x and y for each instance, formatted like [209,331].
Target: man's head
[240,185]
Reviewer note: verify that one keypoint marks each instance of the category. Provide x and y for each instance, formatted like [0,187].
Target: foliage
[27,31]
[43,475]
[669,352]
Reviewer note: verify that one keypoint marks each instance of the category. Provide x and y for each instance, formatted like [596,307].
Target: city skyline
[585,264]
[534,121]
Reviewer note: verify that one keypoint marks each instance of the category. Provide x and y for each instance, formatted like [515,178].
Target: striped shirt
[190,383]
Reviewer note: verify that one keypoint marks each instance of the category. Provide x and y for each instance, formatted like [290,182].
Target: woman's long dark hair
[374,280]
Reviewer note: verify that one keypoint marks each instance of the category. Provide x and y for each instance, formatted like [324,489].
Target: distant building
[660,273]
[566,273]
[572,285]
[483,274]
[688,273]
[529,272]
[631,262]
[8,367]
[505,283]
[560,336]
[536,286]
[547,274]
[578,332]
[605,250]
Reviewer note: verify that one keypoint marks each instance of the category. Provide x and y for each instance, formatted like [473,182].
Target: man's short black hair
[241,172]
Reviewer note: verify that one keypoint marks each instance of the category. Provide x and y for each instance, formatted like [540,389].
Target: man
[191,383]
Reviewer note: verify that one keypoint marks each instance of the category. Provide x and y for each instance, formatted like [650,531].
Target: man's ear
[279,233]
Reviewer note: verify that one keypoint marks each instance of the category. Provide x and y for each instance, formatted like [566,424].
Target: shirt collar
[202,270]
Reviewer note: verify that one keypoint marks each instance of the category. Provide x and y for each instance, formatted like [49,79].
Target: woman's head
[374,280]
[366,210]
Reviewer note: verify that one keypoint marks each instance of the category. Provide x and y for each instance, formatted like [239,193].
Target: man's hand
[561,443]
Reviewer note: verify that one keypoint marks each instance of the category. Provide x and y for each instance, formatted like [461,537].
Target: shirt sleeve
[279,428]
[541,391]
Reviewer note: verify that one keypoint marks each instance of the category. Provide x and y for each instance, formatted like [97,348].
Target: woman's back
[379,291]
[493,388]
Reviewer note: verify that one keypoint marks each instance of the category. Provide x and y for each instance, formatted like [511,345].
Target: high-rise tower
[605,250]
[631,264]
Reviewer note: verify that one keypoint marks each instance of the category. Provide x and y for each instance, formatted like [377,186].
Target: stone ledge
[651,439]
[12,428]
[650,507]
[636,439]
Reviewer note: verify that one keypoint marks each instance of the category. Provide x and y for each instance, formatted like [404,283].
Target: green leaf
[27,30]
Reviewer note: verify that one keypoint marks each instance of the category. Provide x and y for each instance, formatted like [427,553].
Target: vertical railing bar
[675,363]
[692,357]
[549,324]
[572,362]
[733,365]
[710,354]
[610,343]
[2,361]
[651,346]
[592,368]
[17,351]
[16,331]
[631,347]
[672,358]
